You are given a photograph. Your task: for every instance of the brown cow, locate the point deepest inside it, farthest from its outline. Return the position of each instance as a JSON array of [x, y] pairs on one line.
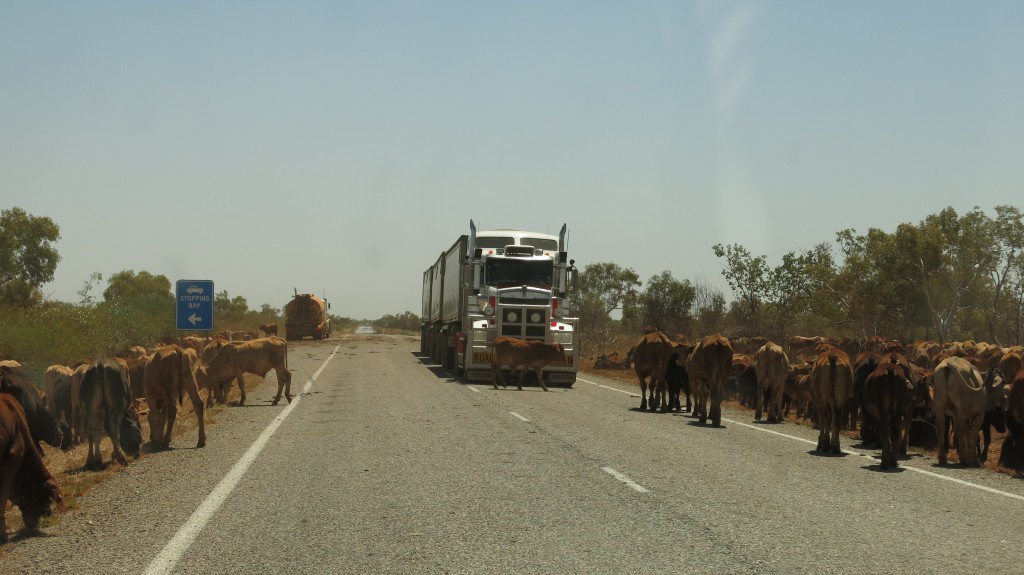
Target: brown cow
[[889, 397], [803, 349], [170, 373], [54, 375], [650, 356], [1012, 453], [106, 403], [524, 354], [234, 359], [708, 366], [963, 394], [24, 479], [269, 329], [772, 370], [832, 388]]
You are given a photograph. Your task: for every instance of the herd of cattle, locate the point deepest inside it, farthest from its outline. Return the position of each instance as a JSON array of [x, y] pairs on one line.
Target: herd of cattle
[[103, 397], [880, 386]]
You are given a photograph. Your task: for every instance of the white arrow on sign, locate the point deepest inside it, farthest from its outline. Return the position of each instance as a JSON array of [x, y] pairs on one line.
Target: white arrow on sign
[[192, 318]]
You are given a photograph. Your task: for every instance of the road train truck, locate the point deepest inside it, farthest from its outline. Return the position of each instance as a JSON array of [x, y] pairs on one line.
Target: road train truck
[[499, 282], [306, 316]]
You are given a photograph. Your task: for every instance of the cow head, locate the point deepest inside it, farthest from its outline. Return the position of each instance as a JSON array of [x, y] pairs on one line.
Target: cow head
[[131, 433], [36, 502]]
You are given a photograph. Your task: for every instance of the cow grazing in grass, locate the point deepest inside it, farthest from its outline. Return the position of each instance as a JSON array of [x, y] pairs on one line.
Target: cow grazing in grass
[[42, 423], [24, 479], [231, 360], [169, 375], [772, 370], [832, 387], [962, 393], [524, 354], [708, 366], [106, 403], [651, 357]]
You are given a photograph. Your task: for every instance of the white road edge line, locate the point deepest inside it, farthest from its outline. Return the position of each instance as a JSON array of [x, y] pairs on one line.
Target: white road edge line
[[520, 417], [846, 451], [633, 484], [473, 388], [186, 535]]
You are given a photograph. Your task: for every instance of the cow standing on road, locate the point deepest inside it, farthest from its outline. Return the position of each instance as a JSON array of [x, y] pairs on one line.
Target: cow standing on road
[[524, 354]]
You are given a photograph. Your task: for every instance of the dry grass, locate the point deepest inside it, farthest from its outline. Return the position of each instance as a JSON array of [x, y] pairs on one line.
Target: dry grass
[[68, 467]]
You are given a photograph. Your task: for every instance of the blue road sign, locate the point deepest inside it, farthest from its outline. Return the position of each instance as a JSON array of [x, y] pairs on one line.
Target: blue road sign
[[195, 305]]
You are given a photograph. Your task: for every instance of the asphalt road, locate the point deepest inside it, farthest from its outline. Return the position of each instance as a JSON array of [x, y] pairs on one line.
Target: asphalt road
[[386, 464]]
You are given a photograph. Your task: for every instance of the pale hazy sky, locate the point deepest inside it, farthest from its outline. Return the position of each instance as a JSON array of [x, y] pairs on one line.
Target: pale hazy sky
[[339, 147]]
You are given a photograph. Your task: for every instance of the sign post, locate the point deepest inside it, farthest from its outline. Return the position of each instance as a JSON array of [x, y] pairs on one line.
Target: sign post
[[195, 305]]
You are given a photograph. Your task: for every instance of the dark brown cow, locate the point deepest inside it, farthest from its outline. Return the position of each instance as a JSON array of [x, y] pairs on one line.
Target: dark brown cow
[[964, 394], [1012, 453], [234, 359], [24, 479], [106, 402], [651, 355], [832, 387], [889, 397], [42, 423], [269, 329], [772, 370], [709, 365], [524, 354], [169, 374]]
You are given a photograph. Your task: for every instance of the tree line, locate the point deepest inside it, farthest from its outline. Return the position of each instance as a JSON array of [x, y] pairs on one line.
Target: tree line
[[949, 277]]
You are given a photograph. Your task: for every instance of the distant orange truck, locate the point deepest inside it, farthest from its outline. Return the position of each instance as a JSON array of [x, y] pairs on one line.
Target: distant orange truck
[[306, 316]]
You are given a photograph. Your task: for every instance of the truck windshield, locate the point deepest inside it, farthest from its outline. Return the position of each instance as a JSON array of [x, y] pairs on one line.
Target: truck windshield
[[506, 272]]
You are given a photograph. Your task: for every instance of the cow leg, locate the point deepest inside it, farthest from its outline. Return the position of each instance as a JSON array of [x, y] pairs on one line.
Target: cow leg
[[942, 429], [761, 386], [241, 388], [156, 422], [497, 375], [283, 380], [114, 432], [10, 462], [837, 416], [540, 378], [170, 415], [643, 393], [716, 404], [197, 407]]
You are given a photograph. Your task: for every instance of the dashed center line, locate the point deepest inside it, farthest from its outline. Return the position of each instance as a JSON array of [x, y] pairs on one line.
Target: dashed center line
[[520, 417], [633, 484]]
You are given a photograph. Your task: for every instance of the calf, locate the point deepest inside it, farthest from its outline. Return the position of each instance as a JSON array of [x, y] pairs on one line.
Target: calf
[[269, 329], [24, 479], [106, 402], [678, 381], [524, 354]]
